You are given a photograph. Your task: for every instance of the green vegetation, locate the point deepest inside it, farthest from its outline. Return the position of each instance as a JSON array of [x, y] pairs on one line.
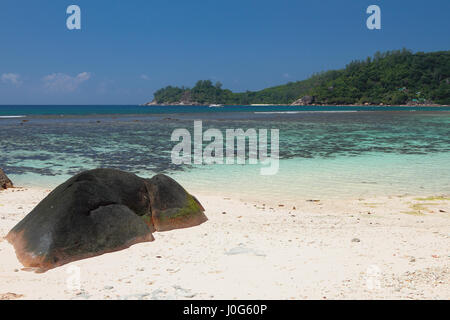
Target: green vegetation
[[433, 198], [394, 77], [190, 209], [419, 208]]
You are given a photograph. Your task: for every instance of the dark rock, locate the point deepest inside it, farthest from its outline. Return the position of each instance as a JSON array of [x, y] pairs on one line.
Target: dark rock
[[92, 213], [5, 183], [172, 207]]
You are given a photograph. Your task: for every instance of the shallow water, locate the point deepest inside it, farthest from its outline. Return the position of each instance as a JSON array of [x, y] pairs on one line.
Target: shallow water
[[323, 153]]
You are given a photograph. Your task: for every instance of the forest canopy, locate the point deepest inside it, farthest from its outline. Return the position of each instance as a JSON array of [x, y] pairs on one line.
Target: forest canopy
[[393, 78]]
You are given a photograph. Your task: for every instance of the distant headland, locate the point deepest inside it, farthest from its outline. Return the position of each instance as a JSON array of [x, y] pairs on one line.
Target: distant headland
[[398, 77]]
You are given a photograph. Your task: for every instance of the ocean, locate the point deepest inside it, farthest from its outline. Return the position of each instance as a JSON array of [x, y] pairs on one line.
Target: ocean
[[325, 152]]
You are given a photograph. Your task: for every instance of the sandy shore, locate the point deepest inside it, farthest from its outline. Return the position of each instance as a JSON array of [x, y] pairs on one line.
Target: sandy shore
[[381, 248]]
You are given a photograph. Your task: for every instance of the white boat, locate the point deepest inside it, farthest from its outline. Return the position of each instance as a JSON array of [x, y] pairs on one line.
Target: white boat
[[216, 105]]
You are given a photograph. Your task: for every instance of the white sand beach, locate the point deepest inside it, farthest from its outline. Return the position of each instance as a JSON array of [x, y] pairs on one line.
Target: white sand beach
[[380, 248]]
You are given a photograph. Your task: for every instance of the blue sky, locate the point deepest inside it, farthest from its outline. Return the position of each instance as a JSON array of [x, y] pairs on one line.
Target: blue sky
[[128, 49]]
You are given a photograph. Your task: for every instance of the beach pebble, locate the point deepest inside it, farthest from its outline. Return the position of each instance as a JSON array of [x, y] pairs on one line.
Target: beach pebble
[[356, 240], [108, 287]]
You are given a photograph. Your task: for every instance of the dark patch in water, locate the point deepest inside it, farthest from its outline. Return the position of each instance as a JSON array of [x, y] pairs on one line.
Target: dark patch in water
[[145, 145]]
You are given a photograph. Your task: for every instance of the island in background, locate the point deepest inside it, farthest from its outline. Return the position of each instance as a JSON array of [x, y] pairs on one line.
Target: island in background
[[398, 77]]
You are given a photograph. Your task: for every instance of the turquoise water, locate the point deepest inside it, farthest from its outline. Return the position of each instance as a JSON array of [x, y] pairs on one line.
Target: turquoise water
[[343, 152], [363, 176]]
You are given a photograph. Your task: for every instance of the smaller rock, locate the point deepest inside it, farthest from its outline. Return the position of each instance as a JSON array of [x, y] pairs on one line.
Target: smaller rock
[[356, 240], [5, 182]]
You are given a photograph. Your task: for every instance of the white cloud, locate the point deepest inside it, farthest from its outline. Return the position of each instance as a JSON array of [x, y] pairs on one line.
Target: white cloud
[[286, 75], [145, 77], [11, 78], [64, 83]]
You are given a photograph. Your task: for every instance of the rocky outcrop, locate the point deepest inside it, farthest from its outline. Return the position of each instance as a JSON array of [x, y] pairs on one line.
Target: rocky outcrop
[[152, 103], [5, 182], [304, 101], [100, 211]]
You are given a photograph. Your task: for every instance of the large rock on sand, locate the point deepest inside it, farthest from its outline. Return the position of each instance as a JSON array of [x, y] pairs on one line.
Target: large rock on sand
[[96, 212], [5, 183]]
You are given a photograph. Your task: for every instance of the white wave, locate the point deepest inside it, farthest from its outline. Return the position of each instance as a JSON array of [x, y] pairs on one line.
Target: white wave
[[11, 117], [293, 112]]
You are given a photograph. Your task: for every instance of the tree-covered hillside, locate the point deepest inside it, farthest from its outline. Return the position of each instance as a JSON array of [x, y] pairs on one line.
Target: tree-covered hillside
[[394, 77]]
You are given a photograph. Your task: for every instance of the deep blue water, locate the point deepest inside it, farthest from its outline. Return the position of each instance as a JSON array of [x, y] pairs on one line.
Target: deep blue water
[[18, 110]]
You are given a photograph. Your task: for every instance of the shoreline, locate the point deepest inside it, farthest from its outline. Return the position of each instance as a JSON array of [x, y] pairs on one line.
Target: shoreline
[[315, 249], [296, 105]]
